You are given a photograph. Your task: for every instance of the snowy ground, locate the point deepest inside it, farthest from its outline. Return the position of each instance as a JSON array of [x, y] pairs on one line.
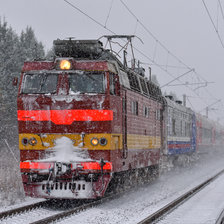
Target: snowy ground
[[203, 208], [134, 206], [11, 189]]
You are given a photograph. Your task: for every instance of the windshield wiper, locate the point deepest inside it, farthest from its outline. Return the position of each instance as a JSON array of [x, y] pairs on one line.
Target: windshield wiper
[[90, 76]]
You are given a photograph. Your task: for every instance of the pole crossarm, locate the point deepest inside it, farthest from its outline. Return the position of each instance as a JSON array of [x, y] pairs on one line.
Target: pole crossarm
[[217, 101], [198, 83]]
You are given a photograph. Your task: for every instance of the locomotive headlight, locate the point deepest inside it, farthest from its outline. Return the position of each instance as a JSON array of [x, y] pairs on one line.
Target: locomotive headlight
[[65, 64], [94, 141], [103, 141], [32, 141]]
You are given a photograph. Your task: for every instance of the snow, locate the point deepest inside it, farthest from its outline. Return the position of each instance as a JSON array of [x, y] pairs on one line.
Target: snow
[[67, 98], [203, 208], [65, 151]]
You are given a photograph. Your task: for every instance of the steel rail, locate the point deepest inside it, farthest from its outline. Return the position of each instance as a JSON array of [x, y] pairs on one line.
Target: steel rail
[[85, 206], [22, 209], [177, 202], [65, 214]]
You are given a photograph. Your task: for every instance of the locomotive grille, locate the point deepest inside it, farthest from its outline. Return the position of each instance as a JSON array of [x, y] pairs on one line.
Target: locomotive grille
[[64, 186]]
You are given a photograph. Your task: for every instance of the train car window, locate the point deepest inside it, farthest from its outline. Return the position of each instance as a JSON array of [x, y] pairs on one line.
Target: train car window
[[44, 83], [143, 85], [134, 107], [185, 129], [146, 111], [112, 84], [86, 82], [158, 115], [188, 130], [173, 127], [181, 128]]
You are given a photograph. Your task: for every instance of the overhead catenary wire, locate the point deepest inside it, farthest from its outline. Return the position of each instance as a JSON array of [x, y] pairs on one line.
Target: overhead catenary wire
[[177, 78], [162, 45], [213, 24], [97, 22], [108, 15], [153, 36], [221, 9], [140, 52]]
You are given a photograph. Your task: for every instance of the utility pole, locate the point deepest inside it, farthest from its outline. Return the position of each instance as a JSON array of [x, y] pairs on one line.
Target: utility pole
[[184, 99], [206, 112]]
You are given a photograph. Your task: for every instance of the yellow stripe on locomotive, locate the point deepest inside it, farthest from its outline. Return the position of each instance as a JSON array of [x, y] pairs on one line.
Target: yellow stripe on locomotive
[[93, 141]]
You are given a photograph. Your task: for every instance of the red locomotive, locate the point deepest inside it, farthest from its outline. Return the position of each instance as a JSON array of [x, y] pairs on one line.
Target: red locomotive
[[86, 121]]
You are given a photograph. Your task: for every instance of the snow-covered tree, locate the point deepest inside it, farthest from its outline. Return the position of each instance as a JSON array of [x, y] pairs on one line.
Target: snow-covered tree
[[50, 54], [9, 53], [30, 48], [14, 50]]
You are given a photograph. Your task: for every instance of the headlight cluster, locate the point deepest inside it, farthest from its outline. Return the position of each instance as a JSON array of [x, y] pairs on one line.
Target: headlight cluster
[[96, 141], [31, 141]]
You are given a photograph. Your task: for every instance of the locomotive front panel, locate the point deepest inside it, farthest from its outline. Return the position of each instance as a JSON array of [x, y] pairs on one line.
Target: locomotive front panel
[[67, 129]]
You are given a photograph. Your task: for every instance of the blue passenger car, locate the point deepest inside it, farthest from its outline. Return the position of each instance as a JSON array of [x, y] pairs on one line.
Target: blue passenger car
[[180, 128]]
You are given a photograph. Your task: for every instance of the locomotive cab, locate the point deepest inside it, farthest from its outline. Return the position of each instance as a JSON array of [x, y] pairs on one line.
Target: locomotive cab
[[85, 121]]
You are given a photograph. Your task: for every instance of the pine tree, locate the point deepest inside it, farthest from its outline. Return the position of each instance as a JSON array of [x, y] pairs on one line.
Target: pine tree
[[9, 53], [14, 50], [30, 48]]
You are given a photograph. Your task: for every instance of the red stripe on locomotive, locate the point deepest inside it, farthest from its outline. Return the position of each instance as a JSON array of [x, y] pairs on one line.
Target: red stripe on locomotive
[[65, 117]]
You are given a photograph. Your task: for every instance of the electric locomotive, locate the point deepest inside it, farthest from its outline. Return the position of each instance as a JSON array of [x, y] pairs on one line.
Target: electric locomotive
[[85, 121]]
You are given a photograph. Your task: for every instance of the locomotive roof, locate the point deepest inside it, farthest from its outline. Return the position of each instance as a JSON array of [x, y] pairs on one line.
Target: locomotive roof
[[83, 50], [173, 104], [88, 65]]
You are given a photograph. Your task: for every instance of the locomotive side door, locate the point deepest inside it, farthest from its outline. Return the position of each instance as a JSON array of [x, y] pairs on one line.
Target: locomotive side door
[[124, 125]]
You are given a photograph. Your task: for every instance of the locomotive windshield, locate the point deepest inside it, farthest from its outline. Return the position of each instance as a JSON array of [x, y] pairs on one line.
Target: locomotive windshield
[[86, 82], [40, 83]]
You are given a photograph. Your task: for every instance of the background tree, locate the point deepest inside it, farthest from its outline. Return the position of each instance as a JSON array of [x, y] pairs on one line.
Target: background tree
[[14, 50]]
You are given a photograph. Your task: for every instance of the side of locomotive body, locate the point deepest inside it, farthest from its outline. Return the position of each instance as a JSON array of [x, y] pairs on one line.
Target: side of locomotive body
[[85, 121], [180, 131]]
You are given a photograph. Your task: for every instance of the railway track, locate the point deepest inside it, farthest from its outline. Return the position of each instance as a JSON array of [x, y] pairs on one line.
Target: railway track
[[22, 209], [152, 218], [44, 209], [71, 211], [52, 216]]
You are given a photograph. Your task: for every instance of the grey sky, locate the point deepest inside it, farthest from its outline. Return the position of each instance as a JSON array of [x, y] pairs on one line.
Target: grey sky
[[182, 26]]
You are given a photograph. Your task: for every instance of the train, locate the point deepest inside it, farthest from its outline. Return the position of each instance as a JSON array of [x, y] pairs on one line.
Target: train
[[89, 124]]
